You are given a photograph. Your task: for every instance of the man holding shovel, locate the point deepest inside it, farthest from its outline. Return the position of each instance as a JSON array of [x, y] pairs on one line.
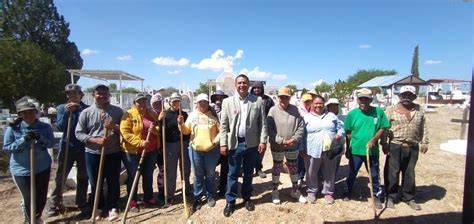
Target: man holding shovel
[[364, 126], [68, 115], [98, 128]]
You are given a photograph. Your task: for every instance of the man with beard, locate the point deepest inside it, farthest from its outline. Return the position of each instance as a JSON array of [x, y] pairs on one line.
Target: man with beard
[[258, 90], [407, 136]]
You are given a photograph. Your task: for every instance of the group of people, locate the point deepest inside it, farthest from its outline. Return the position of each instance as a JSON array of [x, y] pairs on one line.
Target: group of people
[[307, 140]]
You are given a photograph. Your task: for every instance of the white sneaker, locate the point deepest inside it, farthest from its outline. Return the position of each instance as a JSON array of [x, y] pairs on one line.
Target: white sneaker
[[301, 183], [113, 214], [296, 194], [275, 197], [98, 215]]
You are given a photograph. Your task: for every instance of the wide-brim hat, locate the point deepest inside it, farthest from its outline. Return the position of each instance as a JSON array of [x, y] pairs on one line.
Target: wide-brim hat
[[139, 96], [216, 94], [24, 106]]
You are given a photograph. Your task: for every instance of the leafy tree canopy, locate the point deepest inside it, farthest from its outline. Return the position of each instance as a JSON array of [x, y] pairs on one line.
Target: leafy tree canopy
[[25, 69], [203, 88]]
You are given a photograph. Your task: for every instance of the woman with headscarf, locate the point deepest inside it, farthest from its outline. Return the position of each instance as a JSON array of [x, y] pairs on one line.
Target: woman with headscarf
[[18, 138], [134, 128], [157, 106]]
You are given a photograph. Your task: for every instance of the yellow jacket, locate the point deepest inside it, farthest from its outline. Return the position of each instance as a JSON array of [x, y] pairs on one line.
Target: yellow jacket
[[204, 130], [131, 127]]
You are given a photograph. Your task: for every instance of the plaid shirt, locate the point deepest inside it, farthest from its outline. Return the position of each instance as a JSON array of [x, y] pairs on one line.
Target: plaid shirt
[[404, 130]]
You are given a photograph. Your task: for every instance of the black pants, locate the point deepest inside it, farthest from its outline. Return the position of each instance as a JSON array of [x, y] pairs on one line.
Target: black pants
[[23, 184], [223, 160], [401, 159]]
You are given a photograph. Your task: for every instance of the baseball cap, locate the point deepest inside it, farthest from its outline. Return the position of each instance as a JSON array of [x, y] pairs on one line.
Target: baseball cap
[[364, 92], [175, 97], [72, 87], [284, 91], [101, 86], [305, 97], [408, 88], [202, 97], [332, 101]]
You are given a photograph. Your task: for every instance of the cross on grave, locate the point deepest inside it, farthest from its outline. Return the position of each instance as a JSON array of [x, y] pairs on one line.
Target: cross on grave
[[464, 123]]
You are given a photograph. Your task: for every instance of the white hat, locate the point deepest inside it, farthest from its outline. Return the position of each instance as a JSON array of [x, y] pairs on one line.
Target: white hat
[[332, 101], [408, 88], [202, 97]]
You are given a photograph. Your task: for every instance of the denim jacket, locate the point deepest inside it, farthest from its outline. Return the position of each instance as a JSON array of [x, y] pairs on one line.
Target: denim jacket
[[63, 117], [14, 142]]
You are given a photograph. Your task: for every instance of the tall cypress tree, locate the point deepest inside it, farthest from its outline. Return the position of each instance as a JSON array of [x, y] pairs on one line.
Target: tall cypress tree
[[414, 63]]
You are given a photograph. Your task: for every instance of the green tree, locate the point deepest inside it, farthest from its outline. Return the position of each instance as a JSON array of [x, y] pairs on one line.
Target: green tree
[[362, 76], [113, 87], [130, 90], [40, 23], [25, 69], [293, 88], [203, 88], [323, 88], [341, 91], [414, 63]]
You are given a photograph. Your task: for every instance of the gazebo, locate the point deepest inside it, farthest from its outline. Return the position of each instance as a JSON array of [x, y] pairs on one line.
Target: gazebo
[[391, 81], [107, 75]]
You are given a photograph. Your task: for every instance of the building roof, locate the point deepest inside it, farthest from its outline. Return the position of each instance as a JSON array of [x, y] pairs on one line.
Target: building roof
[[105, 74], [389, 80], [447, 81]]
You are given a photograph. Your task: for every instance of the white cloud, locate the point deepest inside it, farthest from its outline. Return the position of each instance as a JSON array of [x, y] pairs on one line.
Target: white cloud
[[170, 61], [175, 72], [364, 46], [255, 73], [433, 62], [218, 61], [279, 77], [88, 51], [317, 83], [124, 57]]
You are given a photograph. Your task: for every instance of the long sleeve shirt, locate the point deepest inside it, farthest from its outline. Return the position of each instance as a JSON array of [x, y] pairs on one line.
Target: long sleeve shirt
[[15, 143], [318, 128], [411, 130], [91, 125], [204, 130], [284, 125], [171, 126], [62, 122]]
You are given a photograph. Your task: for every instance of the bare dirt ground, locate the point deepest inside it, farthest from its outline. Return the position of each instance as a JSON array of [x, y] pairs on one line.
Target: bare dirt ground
[[440, 179]]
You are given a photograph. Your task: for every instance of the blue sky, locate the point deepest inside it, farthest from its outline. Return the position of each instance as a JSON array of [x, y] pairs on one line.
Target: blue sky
[[181, 43]]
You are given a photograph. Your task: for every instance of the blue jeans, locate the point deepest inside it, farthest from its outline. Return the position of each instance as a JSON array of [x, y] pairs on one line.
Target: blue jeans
[[146, 172], [111, 174], [355, 162], [204, 166], [237, 157]]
